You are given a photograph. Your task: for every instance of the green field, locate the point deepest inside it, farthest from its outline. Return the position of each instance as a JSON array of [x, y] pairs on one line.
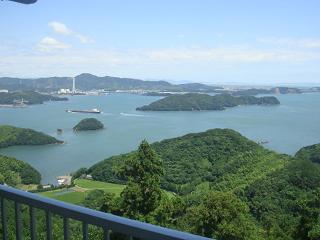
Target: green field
[[77, 194], [66, 195], [88, 185]]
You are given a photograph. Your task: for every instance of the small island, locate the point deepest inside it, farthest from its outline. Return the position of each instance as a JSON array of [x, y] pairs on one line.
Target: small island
[[88, 124], [200, 102], [14, 136]]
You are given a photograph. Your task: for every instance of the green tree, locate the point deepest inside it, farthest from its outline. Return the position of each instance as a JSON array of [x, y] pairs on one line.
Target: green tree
[[100, 200], [2, 179], [12, 178], [142, 193], [224, 216]]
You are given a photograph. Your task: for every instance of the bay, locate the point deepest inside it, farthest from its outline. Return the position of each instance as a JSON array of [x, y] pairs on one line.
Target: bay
[[287, 127]]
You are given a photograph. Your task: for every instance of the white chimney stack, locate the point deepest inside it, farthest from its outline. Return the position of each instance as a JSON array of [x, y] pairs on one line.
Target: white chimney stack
[[73, 85]]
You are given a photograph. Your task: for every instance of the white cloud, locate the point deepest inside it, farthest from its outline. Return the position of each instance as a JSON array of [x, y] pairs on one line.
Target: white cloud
[[292, 42], [155, 63], [49, 44], [60, 28], [231, 54], [84, 39]]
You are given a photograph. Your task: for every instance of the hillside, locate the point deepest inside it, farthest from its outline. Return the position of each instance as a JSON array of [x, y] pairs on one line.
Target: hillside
[[14, 172], [224, 179], [88, 81], [286, 202], [311, 153], [198, 102], [14, 136], [222, 157], [88, 124], [29, 97]]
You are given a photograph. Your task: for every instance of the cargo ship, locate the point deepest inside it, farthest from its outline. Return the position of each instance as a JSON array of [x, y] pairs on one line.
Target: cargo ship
[[94, 110]]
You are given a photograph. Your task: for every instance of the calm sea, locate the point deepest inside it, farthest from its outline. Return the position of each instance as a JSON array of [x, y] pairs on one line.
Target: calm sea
[[293, 124]]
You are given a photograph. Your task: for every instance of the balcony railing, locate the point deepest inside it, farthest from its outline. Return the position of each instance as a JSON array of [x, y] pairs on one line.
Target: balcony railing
[[108, 222]]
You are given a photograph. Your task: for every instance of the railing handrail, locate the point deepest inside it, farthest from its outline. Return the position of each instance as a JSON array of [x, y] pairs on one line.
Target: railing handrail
[[105, 220]]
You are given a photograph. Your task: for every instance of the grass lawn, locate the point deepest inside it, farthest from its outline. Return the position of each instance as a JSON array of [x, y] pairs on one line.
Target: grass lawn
[[65, 195], [88, 185], [77, 194]]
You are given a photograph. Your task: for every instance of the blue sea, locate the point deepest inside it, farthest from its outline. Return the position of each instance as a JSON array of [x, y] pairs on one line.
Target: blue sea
[[288, 127]]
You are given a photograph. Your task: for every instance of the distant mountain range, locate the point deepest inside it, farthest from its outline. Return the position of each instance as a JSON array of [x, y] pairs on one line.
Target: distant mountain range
[[88, 81]]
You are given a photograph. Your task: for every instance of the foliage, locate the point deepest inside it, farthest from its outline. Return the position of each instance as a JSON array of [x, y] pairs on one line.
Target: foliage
[[287, 201], [12, 136], [258, 194], [79, 173], [142, 193], [198, 102], [311, 153], [13, 172], [88, 124], [222, 215], [220, 156], [29, 97]]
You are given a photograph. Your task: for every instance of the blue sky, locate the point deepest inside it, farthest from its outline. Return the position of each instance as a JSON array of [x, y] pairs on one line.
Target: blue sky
[[250, 42]]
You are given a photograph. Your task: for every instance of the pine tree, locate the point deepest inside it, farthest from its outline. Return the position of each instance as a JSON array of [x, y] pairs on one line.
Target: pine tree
[[142, 194]]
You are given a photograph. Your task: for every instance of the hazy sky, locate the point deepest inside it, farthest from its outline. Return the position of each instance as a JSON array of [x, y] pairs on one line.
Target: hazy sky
[[258, 42]]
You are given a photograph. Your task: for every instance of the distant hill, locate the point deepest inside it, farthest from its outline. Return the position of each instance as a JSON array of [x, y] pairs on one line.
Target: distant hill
[[198, 102], [311, 153], [29, 97], [14, 136], [256, 91], [88, 81]]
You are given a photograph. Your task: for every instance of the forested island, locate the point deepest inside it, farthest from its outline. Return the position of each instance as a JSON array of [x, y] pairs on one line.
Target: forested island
[[228, 187], [27, 97], [14, 136], [14, 172], [88, 124], [199, 102]]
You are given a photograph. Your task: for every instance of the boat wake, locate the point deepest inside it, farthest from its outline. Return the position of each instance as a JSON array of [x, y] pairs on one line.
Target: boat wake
[[132, 115]]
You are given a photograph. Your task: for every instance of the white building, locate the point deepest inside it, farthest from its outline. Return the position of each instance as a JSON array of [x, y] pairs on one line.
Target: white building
[[4, 91], [64, 91]]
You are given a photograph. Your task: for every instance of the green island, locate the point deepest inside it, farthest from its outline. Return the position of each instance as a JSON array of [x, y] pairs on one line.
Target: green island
[[27, 97], [14, 172], [199, 102], [88, 124], [14, 136]]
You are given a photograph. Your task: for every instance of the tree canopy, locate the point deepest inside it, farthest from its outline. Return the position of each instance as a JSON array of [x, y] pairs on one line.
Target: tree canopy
[[88, 124], [14, 136]]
